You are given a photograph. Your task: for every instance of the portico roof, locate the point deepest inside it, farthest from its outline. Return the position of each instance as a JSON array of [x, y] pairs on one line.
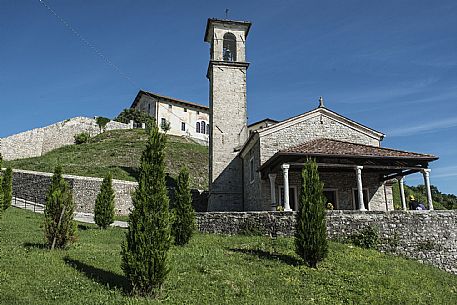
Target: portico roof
[[341, 155]]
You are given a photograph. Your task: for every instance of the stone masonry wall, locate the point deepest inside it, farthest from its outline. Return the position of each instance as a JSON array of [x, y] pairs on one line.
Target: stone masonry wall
[[428, 236], [36, 142], [33, 186], [315, 127]]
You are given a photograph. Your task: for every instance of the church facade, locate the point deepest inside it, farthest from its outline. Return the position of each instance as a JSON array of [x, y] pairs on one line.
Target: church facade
[[257, 167]]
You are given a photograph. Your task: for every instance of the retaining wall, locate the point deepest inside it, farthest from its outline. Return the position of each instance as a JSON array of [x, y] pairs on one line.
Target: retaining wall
[[428, 236], [33, 186], [38, 141]]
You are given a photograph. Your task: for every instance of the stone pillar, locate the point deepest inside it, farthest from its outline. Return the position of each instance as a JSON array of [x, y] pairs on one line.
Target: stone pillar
[[401, 181], [358, 171], [273, 191], [285, 172], [131, 124], [426, 174], [143, 125]]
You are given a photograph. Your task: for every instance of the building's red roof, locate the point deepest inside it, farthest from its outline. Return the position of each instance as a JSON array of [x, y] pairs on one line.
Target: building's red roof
[[330, 147]]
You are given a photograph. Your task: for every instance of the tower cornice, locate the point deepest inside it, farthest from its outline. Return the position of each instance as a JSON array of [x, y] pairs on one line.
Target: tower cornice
[[227, 64]]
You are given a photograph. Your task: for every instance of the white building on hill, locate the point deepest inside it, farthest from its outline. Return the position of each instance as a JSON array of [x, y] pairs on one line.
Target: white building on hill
[[184, 118]]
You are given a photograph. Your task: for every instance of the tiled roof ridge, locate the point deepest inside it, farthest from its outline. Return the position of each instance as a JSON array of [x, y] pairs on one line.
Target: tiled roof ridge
[[309, 143]]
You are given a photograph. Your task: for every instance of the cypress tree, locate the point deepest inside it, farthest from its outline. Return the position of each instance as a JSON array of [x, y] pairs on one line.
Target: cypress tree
[[310, 227], [184, 220], [59, 197], [7, 187], [104, 204], [1, 184], [144, 252]]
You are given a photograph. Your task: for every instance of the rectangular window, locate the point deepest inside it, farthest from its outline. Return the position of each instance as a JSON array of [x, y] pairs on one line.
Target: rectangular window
[[355, 197], [198, 112], [251, 170], [170, 106], [185, 109], [183, 126]]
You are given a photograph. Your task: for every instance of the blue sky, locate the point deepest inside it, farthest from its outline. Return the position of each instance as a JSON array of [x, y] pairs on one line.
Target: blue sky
[[391, 65]]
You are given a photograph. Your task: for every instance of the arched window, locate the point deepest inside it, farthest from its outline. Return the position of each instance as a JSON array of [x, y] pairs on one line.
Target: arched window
[[202, 127], [197, 127], [207, 128], [229, 47]]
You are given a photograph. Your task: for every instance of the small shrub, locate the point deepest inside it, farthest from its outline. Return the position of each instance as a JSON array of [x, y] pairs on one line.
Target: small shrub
[[101, 122], [184, 214], [367, 238], [7, 188], [60, 229], [104, 204], [82, 138], [310, 227]]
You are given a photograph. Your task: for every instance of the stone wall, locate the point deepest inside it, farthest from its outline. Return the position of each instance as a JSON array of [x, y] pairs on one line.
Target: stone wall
[[315, 127], [36, 142], [428, 236], [33, 186]]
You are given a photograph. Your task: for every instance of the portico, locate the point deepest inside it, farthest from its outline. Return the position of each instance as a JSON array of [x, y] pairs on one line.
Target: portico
[[356, 176]]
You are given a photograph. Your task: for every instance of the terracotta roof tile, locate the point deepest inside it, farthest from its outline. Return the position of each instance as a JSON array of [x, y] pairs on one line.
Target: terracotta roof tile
[[341, 148]]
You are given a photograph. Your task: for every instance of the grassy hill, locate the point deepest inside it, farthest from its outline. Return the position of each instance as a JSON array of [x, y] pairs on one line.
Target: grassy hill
[[212, 269], [119, 152]]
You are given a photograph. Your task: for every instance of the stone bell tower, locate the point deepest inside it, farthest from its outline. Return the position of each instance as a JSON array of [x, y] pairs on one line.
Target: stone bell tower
[[228, 116]]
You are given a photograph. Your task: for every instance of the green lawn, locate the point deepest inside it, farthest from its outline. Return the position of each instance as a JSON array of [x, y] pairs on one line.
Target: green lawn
[[211, 270], [119, 152]]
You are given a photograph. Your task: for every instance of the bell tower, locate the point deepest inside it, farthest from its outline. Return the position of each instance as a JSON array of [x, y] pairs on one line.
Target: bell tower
[[228, 114]]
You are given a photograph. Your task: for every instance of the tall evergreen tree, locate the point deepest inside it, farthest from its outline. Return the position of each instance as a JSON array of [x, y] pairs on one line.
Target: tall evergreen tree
[[144, 252], [104, 204], [310, 227], [184, 220], [1, 183], [60, 228], [7, 187]]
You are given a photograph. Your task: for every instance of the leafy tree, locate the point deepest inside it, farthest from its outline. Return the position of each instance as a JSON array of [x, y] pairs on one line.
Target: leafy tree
[[82, 138], [184, 220], [144, 252], [104, 204], [130, 114], [310, 228], [7, 188], [101, 122], [60, 228]]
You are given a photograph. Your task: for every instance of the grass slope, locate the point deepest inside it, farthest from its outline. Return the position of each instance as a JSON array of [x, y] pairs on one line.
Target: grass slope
[[119, 151], [212, 269]]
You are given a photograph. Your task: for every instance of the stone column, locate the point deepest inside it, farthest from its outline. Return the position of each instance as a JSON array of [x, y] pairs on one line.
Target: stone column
[[273, 191], [401, 181], [285, 172], [426, 174], [358, 171]]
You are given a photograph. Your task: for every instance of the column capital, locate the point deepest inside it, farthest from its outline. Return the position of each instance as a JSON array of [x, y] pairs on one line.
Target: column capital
[[272, 176], [426, 171], [358, 167], [285, 166], [400, 179]]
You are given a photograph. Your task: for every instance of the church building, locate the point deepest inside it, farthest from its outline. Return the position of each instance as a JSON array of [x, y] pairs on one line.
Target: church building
[[257, 167]]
